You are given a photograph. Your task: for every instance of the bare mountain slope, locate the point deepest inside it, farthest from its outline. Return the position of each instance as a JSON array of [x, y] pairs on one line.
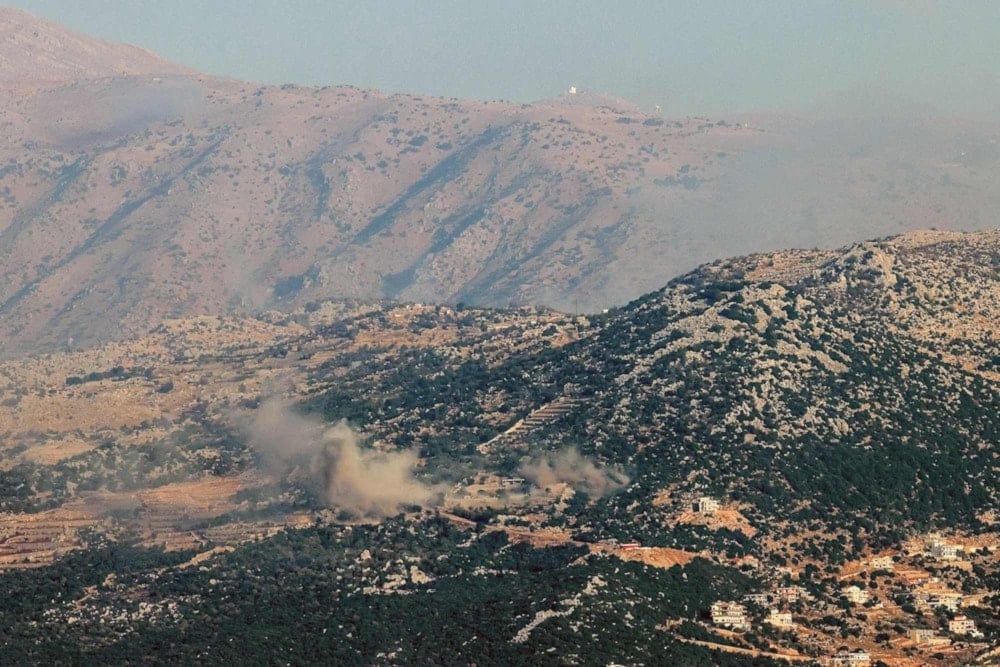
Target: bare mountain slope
[[136, 198], [127, 199], [38, 50]]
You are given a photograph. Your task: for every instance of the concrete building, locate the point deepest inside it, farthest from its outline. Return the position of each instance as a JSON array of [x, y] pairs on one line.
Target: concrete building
[[961, 625], [706, 505], [882, 563], [925, 636], [790, 593], [855, 595], [851, 659], [943, 551], [780, 619], [730, 615], [934, 599], [757, 598]]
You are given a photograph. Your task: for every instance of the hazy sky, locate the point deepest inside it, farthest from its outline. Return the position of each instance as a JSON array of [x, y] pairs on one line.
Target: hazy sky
[[694, 57]]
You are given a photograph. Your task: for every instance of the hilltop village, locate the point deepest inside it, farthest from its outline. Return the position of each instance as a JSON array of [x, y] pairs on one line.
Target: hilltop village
[[905, 604]]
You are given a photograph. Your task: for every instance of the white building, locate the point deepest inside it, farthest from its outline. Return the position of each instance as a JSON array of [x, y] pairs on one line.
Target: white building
[[780, 619], [943, 551], [706, 505], [882, 563], [731, 615], [934, 599], [790, 593], [851, 659], [757, 598], [961, 625], [855, 595]]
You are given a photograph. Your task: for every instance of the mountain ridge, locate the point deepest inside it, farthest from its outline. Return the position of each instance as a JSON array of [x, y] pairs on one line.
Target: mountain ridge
[[128, 199], [33, 49], [832, 406]]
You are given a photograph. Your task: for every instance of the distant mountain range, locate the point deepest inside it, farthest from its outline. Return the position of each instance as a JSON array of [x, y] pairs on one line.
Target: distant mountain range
[[132, 189]]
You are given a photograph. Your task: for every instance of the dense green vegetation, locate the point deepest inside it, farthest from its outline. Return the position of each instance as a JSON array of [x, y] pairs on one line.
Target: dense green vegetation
[[865, 427], [320, 595]]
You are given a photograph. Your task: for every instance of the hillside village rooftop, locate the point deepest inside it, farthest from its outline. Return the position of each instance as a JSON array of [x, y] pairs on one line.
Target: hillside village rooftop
[[731, 615], [781, 619], [706, 505], [851, 659], [961, 625], [855, 595]]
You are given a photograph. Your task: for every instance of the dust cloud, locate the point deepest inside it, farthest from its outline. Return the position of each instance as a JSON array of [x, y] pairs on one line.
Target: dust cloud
[[570, 467], [335, 465], [92, 112]]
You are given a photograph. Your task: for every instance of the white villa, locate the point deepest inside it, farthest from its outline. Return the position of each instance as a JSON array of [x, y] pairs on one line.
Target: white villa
[[731, 615]]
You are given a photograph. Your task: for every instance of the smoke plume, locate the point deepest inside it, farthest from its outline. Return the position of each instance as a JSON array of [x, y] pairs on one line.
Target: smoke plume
[[92, 112], [332, 460], [570, 467]]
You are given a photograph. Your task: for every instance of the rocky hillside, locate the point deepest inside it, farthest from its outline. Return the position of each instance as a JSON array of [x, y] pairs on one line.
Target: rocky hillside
[[521, 483], [34, 50], [858, 387], [855, 385], [131, 191]]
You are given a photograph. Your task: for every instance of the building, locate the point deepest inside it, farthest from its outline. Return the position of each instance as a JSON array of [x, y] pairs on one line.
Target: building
[[922, 635], [706, 505], [934, 599], [855, 595], [851, 659], [914, 577], [961, 625], [730, 615], [790, 593], [780, 619], [943, 551], [757, 598], [882, 563]]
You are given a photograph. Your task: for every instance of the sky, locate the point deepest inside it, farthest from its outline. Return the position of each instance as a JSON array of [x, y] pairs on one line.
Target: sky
[[700, 57]]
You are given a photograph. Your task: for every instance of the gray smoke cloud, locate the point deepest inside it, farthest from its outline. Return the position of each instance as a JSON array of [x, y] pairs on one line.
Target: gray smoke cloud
[[336, 465], [87, 113], [570, 467]]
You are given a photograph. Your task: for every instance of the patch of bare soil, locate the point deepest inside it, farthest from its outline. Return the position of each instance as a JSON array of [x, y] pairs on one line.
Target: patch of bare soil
[[723, 518], [662, 557]]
